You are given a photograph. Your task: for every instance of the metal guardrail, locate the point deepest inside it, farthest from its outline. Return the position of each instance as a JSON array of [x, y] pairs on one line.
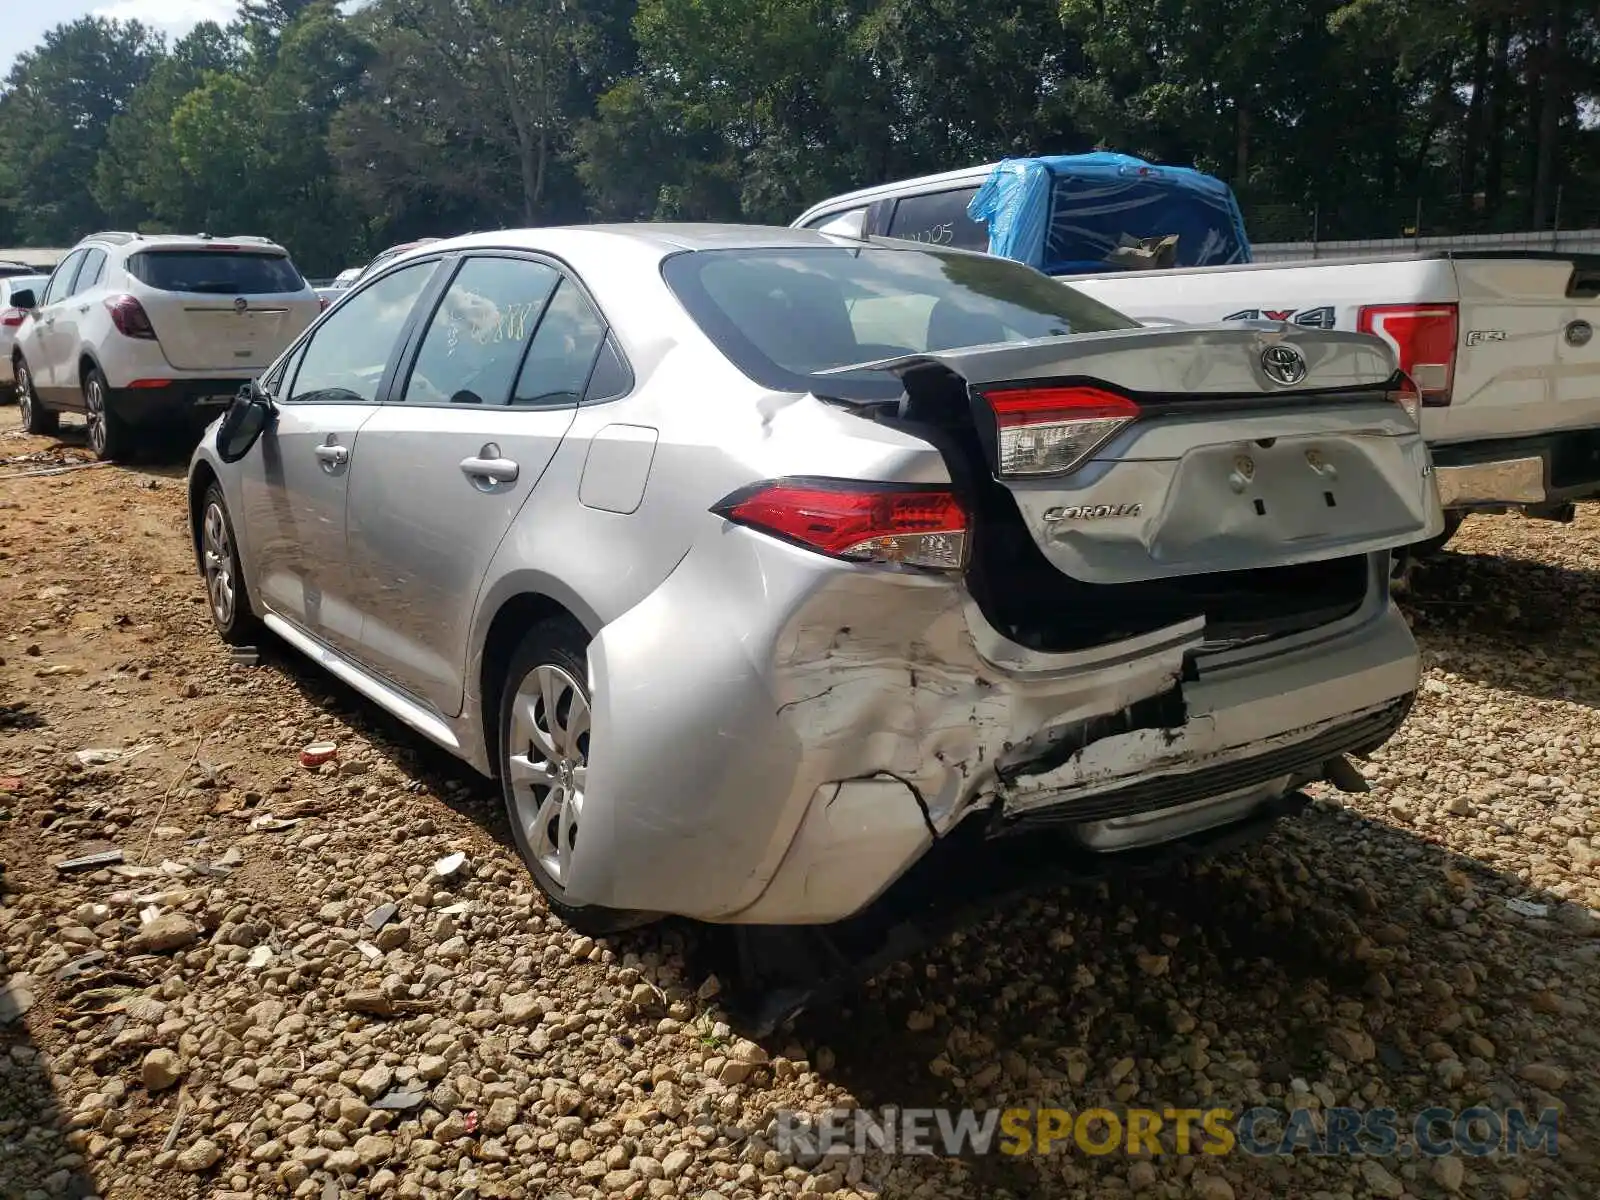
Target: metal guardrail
[[1576, 241]]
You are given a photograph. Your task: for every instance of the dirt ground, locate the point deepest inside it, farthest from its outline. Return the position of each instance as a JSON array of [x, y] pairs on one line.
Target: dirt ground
[[260, 1031]]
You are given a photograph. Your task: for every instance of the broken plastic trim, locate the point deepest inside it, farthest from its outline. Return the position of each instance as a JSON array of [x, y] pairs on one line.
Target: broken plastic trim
[[1164, 710]]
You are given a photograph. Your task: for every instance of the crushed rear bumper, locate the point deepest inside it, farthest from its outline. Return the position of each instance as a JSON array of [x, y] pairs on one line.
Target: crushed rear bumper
[[778, 738]]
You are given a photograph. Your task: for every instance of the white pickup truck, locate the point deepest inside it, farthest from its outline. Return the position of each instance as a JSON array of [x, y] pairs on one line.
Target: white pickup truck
[[1501, 346]]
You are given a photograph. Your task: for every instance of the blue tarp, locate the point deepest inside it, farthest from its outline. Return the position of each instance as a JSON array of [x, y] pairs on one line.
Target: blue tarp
[[1066, 213]]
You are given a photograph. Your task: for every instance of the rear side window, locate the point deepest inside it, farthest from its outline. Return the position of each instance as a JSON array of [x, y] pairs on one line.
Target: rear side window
[[474, 342], [939, 219], [786, 316], [563, 350], [94, 266], [61, 279], [216, 272]]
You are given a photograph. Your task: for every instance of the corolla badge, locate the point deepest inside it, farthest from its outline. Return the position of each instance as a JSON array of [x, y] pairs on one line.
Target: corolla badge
[[1091, 512], [1284, 364]]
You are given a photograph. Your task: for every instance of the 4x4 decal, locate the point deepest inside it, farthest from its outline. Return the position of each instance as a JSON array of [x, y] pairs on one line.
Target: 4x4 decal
[[1312, 318]]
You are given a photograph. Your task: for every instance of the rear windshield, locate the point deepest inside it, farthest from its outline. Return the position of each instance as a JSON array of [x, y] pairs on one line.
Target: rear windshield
[[783, 316], [224, 272]]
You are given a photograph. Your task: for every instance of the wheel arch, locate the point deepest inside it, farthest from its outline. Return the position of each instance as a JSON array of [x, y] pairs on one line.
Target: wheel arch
[[201, 476], [88, 362], [513, 616]]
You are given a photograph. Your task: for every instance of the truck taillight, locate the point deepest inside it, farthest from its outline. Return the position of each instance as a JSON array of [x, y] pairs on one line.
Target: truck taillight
[[910, 525], [1403, 391], [12, 318], [128, 315], [1424, 340], [1051, 430]]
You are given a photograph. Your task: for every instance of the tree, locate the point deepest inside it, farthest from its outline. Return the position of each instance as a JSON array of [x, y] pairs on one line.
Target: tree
[[135, 181], [470, 103], [59, 103]]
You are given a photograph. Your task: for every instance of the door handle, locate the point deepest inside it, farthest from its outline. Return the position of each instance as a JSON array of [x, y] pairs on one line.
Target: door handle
[[333, 456], [495, 470]]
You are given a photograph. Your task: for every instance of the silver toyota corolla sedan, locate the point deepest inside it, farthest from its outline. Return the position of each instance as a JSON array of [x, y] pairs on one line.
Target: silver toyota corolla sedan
[[754, 562]]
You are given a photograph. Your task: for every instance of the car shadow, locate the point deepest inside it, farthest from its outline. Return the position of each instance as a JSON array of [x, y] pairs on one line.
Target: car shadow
[[1509, 623], [1233, 964]]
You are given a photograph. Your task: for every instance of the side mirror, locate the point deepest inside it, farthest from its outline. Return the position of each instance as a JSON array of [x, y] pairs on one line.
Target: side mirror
[[24, 299], [245, 421]]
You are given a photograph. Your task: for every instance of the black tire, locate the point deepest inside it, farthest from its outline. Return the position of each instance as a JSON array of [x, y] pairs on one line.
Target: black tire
[[556, 646], [218, 554], [1427, 549], [110, 437], [36, 418]]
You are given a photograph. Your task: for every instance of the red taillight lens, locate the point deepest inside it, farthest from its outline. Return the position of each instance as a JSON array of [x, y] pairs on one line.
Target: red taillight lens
[[1051, 430], [911, 526], [1424, 340], [128, 315], [13, 317]]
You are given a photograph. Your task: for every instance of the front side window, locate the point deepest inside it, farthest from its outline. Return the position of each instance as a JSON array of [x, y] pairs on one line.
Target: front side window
[[61, 280], [345, 359], [786, 316], [851, 223], [474, 343]]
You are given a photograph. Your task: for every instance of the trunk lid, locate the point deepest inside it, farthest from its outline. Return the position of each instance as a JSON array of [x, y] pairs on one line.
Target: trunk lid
[[222, 308], [1211, 464], [1524, 362]]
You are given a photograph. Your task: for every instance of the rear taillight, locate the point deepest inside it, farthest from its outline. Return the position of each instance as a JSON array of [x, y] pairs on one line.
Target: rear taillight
[[904, 524], [1051, 430], [1424, 340], [128, 315], [1404, 392], [13, 317]]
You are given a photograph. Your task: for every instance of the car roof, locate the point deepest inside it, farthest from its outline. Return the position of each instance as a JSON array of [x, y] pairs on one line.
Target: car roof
[[655, 238], [120, 238], [882, 191]]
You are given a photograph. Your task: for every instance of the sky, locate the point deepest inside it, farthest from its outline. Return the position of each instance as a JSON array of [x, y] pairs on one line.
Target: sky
[[23, 22]]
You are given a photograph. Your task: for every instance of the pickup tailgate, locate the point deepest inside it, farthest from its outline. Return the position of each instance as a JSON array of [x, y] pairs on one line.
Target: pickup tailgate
[[1152, 453], [1527, 358]]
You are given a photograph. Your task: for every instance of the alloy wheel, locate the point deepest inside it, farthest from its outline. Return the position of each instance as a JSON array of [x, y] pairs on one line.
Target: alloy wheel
[[548, 765], [94, 404], [217, 553], [24, 395]]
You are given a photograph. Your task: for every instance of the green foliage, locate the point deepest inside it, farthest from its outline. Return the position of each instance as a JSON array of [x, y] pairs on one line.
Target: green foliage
[[59, 102], [340, 129]]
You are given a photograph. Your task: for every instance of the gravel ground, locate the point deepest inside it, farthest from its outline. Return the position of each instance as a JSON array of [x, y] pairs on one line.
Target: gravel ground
[[258, 1036]]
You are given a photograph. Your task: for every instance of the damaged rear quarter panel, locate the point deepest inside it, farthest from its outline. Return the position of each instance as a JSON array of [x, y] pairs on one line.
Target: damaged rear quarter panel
[[899, 686]]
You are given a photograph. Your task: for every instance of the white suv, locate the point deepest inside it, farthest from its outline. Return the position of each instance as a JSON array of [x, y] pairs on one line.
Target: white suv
[[142, 330]]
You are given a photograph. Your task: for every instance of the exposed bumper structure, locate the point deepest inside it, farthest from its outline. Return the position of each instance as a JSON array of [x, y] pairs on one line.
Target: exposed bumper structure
[[777, 738], [1548, 469]]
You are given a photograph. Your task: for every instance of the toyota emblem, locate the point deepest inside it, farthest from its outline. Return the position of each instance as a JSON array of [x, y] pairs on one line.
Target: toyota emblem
[[1284, 364], [240, 304], [1578, 333]]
